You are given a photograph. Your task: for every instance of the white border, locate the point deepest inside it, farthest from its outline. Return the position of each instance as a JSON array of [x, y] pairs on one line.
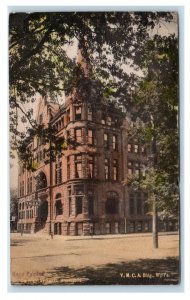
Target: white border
[[185, 110]]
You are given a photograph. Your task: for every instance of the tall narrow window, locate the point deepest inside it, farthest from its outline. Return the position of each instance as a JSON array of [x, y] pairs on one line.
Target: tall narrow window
[[90, 137], [78, 166], [90, 203], [28, 185], [137, 169], [139, 204], [114, 142], [89, 114], [130, 168], [106, 141], [131, 204], [79, 200], [129, 148], [78, 135], [78, 113], [58, 205], [136, 148], [106, 168], [58, 172], [70, 200], [30, 188], [68, 168], [103, 119], [68, 117], [115, 169], [108, 121], [90, 166]]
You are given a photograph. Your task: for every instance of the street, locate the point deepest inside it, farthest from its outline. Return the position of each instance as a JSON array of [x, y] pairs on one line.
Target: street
[[98, 260]]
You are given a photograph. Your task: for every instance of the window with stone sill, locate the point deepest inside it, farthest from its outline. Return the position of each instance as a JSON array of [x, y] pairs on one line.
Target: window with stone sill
[[78, 135], [114, 142], [78, 166], [106, 140], [58, 205], [129, 148], [106, 169], [90, 137], [90, 114], [78, 113], [90, 162], [136, 148], [115, 170]]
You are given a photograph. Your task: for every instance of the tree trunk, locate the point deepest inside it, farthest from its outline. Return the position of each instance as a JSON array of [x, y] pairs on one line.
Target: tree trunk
[[154, 223]]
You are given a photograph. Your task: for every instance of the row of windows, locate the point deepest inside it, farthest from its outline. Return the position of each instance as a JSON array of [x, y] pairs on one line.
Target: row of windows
[[106, 120], [135, 148], [138, 204], [135, 168], [84, 166], [67, 117]]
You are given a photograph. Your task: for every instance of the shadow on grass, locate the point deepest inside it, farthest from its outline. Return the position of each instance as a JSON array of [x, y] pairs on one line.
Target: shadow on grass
[[140, 272]]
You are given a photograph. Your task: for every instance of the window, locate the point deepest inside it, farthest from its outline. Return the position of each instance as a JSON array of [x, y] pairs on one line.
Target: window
[[90, 203], [70, 200], [78, 166], [79, 200], [115, 169], [112, 203], [137, 169], [22, 189], [58, 205], [131, 204], [106, 141], [78, 113], [143, 170], [142, 149], [78, 135], [68, 118], [90, 166], [136, 148], [130, 168], [108, 121], [28, 185], [90, 137], [58, 172], [114, 142], [103, 119], [129, 148], [139, 204], [41, 181], [107, 228], [132, 227], [106, 168], [89, 114], [116, 227], [139, 226], [68, 168]]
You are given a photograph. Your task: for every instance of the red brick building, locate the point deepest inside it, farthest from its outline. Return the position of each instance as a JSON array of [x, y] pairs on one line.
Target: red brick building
[[82, 192]]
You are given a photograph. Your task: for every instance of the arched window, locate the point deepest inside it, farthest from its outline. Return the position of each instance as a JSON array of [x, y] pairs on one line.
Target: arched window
[[41, 181], [58, 205], [112, 203]]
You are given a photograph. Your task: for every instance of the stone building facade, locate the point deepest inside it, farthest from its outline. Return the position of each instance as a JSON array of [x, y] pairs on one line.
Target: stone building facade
[[82, 191]]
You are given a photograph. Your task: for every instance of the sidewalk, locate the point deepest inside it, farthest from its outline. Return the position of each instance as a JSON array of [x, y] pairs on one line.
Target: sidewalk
[[87, 237]]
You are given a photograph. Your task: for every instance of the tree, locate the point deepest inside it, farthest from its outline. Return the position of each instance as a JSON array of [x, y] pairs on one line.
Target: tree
[[39, 62], [115, 47], [156, 124]]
